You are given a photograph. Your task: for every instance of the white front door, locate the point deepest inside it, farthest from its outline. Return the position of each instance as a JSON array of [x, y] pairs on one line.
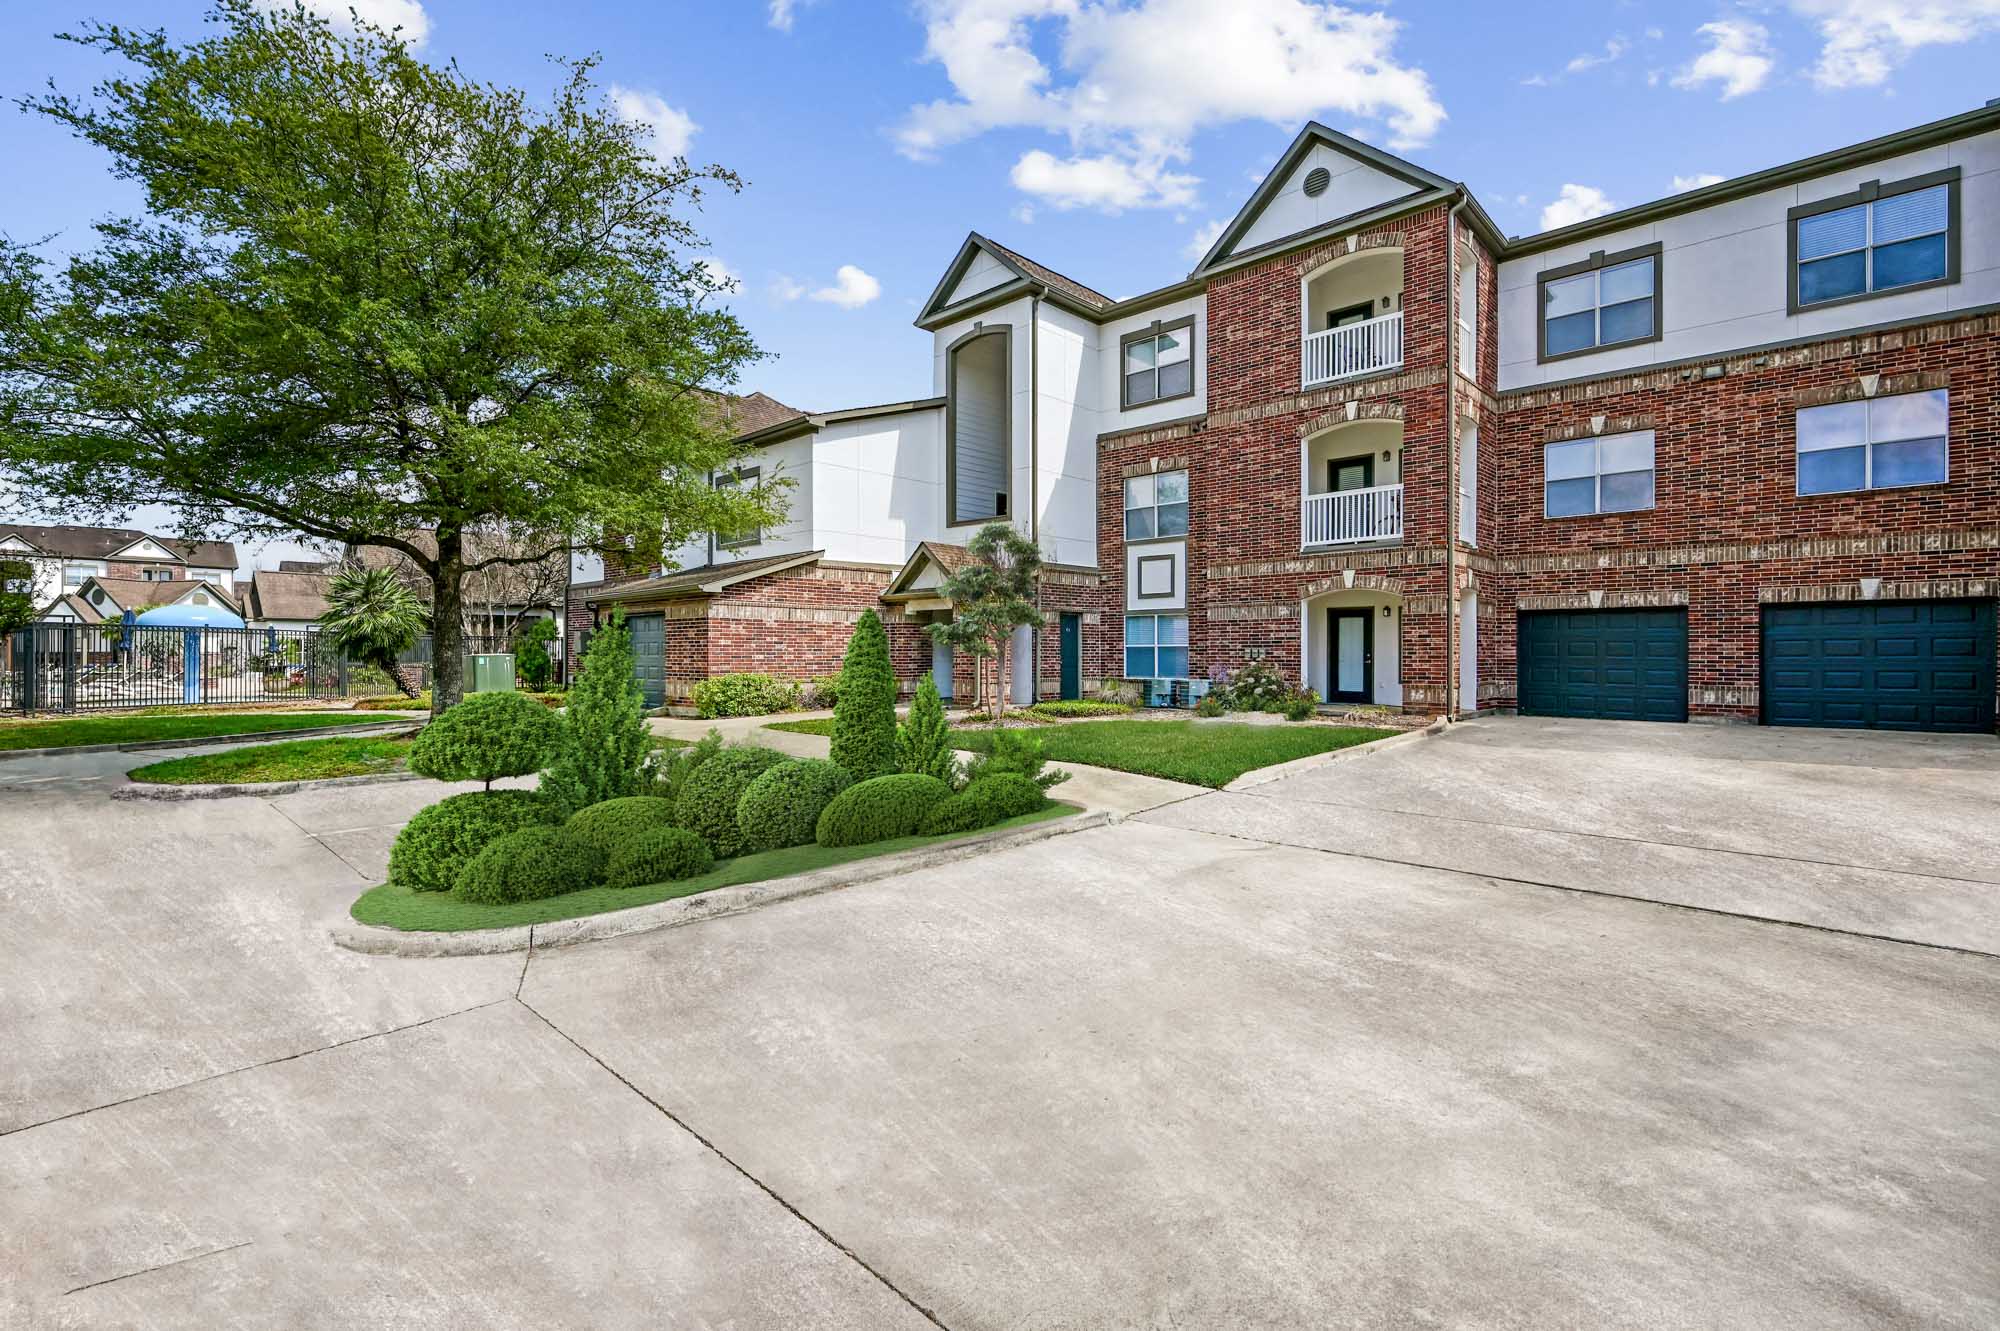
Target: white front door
[[941, 668]]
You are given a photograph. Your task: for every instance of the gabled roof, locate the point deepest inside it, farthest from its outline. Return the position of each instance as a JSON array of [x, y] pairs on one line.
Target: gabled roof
[[140, 594], [105, 542], [1027, 276], [1314, 134], [283, 595], [749, 413], [77, 606], [703, 581], [949, 559]]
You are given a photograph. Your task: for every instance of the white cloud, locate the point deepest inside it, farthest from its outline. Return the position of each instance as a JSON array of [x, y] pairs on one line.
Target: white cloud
[[1682, 184], [1105, 182], [1614, 48], [851, 288], [1204, 239], [672, 130], [721, 274], [782, 13], [388, 15], [786, 288], [1025, 214], [1738, 57], [1864, 40], [1135, 80], [1576, 203]]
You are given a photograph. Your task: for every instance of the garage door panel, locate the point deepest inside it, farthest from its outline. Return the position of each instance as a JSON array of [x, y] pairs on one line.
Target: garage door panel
[[1621, 665], [1918, 665]]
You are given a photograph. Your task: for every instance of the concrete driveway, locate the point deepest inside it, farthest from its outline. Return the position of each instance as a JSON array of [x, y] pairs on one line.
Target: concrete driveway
[[1187, 1071]]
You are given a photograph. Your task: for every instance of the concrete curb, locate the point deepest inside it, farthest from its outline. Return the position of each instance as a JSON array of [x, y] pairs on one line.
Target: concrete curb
[[202, 741], [140, 790], [1265, 775], [381, 942]]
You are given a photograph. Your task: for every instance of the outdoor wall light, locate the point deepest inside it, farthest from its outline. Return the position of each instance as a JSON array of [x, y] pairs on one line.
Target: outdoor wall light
[[1387, 612]]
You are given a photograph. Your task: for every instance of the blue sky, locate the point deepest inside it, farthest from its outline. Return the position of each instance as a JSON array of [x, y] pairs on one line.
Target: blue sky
[[1102, 136]]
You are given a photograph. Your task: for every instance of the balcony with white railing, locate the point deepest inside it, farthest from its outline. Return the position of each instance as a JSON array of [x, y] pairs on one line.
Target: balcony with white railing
[[1352, 517], [1351, 350]]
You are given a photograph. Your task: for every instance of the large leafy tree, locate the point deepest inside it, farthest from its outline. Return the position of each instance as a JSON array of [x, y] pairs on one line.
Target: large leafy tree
[[371, 297], [991, 596]]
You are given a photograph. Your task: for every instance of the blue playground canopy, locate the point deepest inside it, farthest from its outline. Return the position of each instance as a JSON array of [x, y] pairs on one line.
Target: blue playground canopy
[[190, 616]]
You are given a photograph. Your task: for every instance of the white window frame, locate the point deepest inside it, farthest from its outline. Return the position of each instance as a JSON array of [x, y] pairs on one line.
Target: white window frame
[[1468, 319], [76, 572], [1125, 643], [741, 478], [1598, 473], [1868, 444]]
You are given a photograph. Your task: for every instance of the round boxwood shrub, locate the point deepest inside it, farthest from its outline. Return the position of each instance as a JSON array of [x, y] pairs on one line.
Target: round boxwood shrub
[[435, 845], [782, 806], [989, 800], [528, 865], [881, 808], [663, 855], [707, 802], [485, 737], [611, 824]]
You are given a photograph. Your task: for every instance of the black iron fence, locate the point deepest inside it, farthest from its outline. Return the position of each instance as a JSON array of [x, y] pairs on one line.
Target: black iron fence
[[55, 667]]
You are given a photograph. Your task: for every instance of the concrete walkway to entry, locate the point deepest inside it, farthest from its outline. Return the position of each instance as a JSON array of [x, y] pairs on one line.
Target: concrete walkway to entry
[[1095, 788]]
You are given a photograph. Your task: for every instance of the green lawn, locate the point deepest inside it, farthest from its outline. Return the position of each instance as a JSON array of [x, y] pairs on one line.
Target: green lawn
[[819, 725], [1210, 754], [295, 760], [186, 725], [400, 908]]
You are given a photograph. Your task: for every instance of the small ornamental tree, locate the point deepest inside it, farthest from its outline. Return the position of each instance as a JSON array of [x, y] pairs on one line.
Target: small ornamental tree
[[531, 652], [485, 737], [373, 618], [864, 717], [991, 597], [17, 602], [604, 743], [923, 743]]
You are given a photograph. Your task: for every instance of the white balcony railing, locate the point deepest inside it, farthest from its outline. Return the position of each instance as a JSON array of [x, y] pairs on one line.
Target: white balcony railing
[[1368, 347], [1349, 517]]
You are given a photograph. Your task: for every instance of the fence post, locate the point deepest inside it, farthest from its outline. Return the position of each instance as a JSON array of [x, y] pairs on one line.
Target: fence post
[[69, 667]]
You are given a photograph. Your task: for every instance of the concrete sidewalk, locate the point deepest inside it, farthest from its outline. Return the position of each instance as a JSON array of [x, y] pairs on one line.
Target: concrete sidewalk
[[1097, 789]]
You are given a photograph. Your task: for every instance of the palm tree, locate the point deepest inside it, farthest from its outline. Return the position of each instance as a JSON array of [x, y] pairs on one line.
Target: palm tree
[[374, 618]]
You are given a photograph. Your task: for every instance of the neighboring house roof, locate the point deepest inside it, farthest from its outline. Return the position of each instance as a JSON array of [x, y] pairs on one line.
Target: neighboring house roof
[[307, 565], [76, 605], [282, 595], [104, 542], [703, 581], [750, 413], [139, 594]]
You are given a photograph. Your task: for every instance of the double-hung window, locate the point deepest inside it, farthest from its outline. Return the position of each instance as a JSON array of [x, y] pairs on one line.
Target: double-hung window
[[743, 479], [1156, 505], [1879, 444], [1612, 473], [1159, 363], [1607, 300], [1156, 647], [1879, 239]]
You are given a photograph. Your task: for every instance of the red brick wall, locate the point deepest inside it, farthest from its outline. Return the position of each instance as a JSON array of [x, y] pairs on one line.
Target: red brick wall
[[1728, 531]]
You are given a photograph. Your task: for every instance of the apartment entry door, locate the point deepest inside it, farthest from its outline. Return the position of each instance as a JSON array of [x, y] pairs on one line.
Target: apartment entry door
[[1350, 652]]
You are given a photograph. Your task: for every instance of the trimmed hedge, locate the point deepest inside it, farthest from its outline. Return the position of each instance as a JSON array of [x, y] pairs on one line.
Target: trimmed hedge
[[435, 845], [881, 808], [745, 694], [782, 806], [663, 855], [528, 865], [606, 826], [485, 737], [708, 798], [984, 802]]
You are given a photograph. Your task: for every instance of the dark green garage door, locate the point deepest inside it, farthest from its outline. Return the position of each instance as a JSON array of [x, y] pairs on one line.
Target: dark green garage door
[[1619, 665], [1901, 665], [649, 656]]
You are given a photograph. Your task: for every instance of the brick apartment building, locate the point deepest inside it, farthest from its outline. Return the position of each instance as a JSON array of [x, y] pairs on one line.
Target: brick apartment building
[[1731, 456]]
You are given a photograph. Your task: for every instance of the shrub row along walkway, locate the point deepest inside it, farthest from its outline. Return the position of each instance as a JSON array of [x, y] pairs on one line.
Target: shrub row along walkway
[[1094, 788]]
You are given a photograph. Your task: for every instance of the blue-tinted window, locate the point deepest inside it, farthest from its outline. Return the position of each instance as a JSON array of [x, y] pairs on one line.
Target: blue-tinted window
[[1156, 647], [1610, 474], [1600, 308], [1899, 241], [1880, 444]]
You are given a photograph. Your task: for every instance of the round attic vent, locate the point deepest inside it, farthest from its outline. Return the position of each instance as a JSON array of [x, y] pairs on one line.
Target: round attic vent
[[1317, 180]]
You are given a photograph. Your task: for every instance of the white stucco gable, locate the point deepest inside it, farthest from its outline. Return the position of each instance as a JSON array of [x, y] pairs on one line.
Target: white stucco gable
[[1357, 179], [146, 548], [985, 272]]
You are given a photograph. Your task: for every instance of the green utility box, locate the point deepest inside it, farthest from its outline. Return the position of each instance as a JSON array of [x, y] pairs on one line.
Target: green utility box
[[489, 672]]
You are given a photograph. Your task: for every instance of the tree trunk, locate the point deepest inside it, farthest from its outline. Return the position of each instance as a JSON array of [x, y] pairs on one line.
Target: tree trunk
[[447, 625], [1000, 659]]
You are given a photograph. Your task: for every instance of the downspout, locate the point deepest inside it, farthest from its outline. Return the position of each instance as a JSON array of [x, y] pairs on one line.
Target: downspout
[[1035, 473], [1451, 457]]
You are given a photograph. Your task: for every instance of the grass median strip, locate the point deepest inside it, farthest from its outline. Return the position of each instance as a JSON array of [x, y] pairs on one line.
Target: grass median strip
[[399, 908], [294, 760], [73, 731], [1206, 754]]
